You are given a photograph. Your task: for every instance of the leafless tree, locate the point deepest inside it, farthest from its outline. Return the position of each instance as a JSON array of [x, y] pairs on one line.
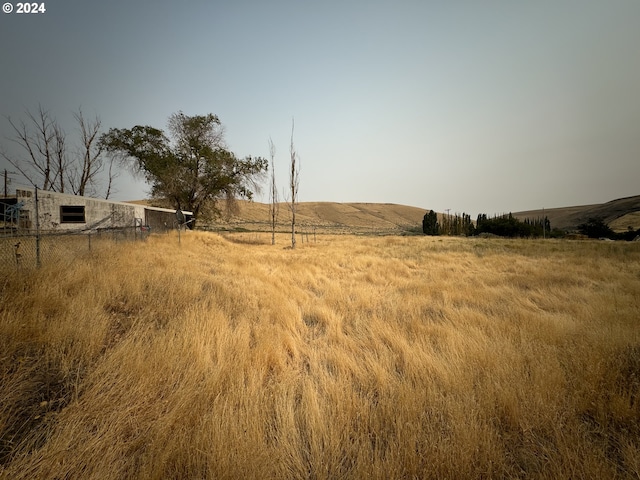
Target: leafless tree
[[274, 207], [294, 182], [84, 173], [41, 141], [43, 155]]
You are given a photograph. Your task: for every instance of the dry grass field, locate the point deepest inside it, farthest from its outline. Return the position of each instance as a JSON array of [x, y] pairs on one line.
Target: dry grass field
[[352, 357], [623, 223]]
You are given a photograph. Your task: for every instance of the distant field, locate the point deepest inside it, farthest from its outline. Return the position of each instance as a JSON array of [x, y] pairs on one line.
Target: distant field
[[349, 357], [327, 217], [623, 223]]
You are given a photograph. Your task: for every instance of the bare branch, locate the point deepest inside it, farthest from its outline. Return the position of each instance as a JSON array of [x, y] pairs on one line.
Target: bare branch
[[110, 178], [86, 171], [40, 138], [43, 156], [59, 157]]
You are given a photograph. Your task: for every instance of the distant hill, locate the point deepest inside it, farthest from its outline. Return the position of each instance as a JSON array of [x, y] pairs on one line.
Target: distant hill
[[335, 217], [328, 217], [619, 214]]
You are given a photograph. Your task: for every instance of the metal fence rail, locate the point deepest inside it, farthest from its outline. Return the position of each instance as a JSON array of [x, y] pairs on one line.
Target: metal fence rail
[[28, 249]]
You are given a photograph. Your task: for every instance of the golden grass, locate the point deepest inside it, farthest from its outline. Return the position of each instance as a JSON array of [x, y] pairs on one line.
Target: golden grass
[[392, 357], [623, 223]]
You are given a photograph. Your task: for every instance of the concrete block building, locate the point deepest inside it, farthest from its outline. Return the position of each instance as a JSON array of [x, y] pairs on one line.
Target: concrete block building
[[64, 212]]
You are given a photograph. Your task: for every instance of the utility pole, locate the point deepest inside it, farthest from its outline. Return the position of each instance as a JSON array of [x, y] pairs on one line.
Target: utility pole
[[7, 180], [544, 226]]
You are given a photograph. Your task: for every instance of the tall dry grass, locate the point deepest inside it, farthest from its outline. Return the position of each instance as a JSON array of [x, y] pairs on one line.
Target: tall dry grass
[[347, 358]]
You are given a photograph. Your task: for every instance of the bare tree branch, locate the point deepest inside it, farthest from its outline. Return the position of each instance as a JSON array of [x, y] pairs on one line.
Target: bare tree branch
[[38, 140], [85, 172], [45, 162], [110, 178], [59, 156]]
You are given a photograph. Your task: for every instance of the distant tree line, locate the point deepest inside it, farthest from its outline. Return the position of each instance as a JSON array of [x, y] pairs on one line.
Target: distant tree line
[[457, 225], [596, 228], [508, 226], [501, 225]]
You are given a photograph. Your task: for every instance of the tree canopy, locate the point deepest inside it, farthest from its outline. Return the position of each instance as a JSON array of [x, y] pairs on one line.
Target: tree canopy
[[596, 228], [190, 166], [510, 226], [430, 224]]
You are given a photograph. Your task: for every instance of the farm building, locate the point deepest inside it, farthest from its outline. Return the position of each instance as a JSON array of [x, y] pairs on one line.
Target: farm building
[[64, 212]]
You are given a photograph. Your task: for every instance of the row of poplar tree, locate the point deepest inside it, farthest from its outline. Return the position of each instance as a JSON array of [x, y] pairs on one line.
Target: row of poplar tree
[[503, 225]]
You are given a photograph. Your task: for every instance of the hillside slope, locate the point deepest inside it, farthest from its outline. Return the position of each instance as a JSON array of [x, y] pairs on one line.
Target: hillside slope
[[619, 214], [327, 216], [333, 217]]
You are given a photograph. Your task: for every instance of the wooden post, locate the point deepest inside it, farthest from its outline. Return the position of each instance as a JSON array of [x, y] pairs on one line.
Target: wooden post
[[18, 254], [37, 231]]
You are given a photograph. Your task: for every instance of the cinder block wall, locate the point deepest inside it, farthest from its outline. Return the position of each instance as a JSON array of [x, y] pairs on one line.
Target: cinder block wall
[[97, 213]]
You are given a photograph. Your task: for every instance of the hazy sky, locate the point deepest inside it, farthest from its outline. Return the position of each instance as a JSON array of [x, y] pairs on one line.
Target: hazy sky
[[476, 106]]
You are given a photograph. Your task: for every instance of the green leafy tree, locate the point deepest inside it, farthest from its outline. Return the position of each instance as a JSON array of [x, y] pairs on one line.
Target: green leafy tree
[[467, 225], [596, 228], [430, 224], [509, 226], [190, 168]]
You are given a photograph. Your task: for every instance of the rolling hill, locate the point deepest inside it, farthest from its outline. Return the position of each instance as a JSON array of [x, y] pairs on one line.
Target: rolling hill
[[619, 214], [328, 217], [390, 218]]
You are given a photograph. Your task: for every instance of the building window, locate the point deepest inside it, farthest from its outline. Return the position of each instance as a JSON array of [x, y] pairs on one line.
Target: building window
[[72, 214]]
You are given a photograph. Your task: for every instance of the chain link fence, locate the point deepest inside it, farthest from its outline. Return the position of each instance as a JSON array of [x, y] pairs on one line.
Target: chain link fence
[[28, 249]]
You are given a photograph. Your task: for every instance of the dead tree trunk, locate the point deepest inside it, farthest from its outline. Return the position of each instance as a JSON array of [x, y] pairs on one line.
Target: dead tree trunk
[[293, 184], [273, 194]]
